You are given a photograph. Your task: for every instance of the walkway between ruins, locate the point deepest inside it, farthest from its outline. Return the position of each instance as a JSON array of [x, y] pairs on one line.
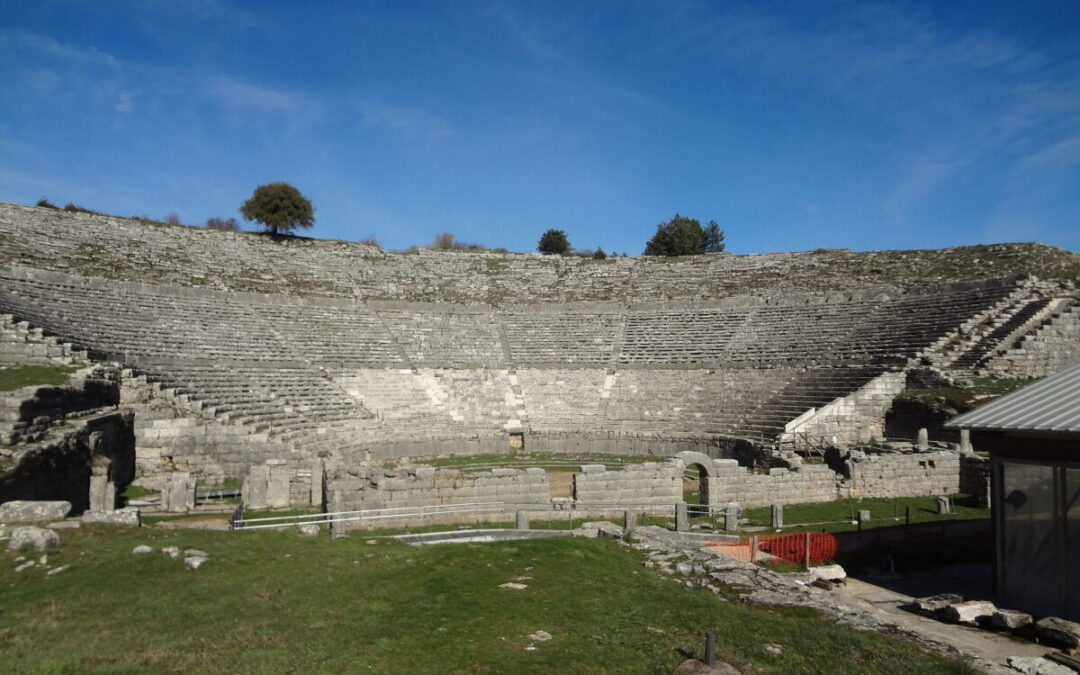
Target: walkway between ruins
[[995, 648]]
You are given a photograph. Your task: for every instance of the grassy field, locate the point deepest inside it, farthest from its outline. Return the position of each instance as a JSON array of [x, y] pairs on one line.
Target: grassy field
[[836, 516], [24, 376], [275, 602]]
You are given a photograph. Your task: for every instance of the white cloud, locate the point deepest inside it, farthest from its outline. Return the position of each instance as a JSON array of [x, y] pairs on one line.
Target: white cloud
[[238, 95]]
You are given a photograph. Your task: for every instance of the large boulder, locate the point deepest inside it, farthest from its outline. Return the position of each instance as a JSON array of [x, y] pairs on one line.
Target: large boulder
[[38, 538], [33, 512]]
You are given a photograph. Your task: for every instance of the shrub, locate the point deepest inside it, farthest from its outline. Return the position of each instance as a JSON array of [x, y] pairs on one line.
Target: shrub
[[73, 208], [599, 255], [553, 242], [46, 204], [222, 224], [173, 218]]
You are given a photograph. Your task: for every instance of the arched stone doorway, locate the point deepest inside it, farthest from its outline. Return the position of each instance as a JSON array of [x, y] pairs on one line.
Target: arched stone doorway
[[697, 481]]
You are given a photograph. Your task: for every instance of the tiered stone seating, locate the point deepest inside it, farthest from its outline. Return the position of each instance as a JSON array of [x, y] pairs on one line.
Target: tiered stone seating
[[447, 340], [983, 349], [551, 338], [428, 399], [563, 399], [720, 402], [808, 389], [680, 337], [279, 400]]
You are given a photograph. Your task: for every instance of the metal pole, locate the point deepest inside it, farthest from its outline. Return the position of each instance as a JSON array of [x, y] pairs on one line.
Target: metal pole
[[806, 550], [907, 515], [710, 648]]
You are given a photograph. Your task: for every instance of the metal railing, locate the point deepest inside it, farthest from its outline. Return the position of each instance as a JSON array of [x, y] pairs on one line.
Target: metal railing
[[552, 511]]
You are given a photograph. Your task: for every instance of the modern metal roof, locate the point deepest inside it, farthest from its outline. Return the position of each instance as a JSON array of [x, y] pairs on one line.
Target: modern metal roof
[[1052, 404]]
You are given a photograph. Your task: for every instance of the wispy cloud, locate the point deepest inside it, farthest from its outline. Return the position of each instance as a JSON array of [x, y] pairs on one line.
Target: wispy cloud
[[408, 123], [240, 95]]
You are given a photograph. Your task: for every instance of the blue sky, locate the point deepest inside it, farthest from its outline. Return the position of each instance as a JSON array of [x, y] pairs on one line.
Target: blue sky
[[794, 125]]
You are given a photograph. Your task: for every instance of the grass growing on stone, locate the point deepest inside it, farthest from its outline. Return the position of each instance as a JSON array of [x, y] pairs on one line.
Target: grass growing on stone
[[276, 602], [24, 376], [836, 516]]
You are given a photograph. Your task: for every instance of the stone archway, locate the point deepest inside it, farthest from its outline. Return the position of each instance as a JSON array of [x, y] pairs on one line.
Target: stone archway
[[706, 471]]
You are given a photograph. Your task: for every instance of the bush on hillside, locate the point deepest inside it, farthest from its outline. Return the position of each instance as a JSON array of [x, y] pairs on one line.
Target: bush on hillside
[[279, 207], [553, 242], [229, 225]]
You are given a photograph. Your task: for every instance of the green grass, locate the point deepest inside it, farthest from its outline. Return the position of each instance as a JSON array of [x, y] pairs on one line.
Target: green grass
[[883, 513], [137, 492], [24, 376], [983, 390], [276, 602]]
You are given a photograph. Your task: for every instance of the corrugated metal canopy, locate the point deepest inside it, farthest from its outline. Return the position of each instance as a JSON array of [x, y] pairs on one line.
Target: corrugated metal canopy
[[1050, 405]]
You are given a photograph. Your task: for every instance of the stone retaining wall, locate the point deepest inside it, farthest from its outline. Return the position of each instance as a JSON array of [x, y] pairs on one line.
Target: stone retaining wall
[[896, 474], [649, 483], [353, 488]]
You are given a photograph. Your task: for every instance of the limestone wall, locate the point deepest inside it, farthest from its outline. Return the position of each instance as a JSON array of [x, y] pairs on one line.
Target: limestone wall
[[903, 474], [858, 417], [357, 487], [27, 414], [808, 483], [638, 484]]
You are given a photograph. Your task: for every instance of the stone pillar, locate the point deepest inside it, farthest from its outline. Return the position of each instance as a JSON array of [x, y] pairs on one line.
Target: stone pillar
[[944, 507], [277, 484], [317, 482], [863, 515], [254, 490], [965, 441], [178, 496], [682, 518], [102, 495], [924, 439], [731, 518], [521, 520], [777, 516], [629, 522]]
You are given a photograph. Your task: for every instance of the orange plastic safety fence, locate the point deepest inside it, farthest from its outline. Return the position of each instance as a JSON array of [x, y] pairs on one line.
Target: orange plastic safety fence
[[790, 547]]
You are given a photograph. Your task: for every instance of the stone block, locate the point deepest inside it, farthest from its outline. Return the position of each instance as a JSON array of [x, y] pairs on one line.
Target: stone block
[[277, 486], [934, 603], [20, 511], [970, 612], [1059, 631], [37, 538], [254, 489], [129, 517], [828, 572], [1010, 619]]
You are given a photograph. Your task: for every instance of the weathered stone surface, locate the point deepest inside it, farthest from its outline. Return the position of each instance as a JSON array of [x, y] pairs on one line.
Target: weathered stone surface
[[1059, 631], [129, 516], [1010, 619], [65, 525], [934, 603], [195, 561], [40, 539], [970, 612], [696, 667], [142, 549], [828, 572], [308, 529], [171, 551], [30, 512], [1037, 665]]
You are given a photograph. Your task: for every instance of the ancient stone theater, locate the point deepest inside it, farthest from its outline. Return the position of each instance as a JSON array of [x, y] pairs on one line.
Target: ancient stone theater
[[327, 372]]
